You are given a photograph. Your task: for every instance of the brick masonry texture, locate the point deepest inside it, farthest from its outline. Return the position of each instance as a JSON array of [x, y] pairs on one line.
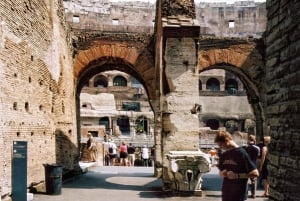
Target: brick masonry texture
[[39, 85], [282, 97], [37, 88]]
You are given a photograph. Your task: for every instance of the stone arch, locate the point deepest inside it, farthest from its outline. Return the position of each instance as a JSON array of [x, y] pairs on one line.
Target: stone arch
[[137, 62], [245, 61]]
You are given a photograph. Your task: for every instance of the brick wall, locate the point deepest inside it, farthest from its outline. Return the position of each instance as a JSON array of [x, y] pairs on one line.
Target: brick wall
[[283, 98], [37, 88]]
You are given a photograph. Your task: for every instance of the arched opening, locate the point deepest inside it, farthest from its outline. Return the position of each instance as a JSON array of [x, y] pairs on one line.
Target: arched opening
[[100, 81], [120, 81], [213, 84], [229, 108], [231, 126], [213, 124], [114, 108]]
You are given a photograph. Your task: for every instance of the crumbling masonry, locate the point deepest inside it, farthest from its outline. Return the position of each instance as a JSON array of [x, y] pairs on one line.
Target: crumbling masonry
[[42, 75]]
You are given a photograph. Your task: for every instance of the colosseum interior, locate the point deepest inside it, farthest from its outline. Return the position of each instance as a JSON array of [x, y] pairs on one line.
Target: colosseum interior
[[191, 59]]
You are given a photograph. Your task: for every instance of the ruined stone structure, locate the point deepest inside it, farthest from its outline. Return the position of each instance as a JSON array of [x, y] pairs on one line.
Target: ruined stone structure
[[41, 84], [113, 105], [113, 99], [239, 19], [282, 97], [37, 88]]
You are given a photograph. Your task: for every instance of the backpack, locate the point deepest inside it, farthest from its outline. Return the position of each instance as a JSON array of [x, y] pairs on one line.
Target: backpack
[[110, 150]]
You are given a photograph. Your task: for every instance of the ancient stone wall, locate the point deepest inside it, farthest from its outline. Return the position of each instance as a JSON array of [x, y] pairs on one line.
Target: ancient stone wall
[[238, 19], [283, 98], [37, 88], [130, 16]]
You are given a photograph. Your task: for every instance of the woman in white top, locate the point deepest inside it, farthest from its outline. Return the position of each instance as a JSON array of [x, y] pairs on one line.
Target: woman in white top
[[112, 151], [145, 155]]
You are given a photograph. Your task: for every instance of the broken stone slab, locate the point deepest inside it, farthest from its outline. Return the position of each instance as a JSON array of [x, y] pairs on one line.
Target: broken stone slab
[[186, 170]]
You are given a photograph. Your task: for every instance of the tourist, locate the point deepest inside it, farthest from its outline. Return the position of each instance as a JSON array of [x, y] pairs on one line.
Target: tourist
[[145, 156], [123, 154], [112, 151], [91, 147], [263, 165], [235, 167], [131, 154], [253, 151]]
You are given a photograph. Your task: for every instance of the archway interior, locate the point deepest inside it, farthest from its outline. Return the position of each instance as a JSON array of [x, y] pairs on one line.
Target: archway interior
[[126, 112], [224, 94]]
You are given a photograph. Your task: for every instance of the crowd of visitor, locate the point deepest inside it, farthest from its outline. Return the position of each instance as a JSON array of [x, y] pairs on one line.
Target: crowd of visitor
[[127, 154]]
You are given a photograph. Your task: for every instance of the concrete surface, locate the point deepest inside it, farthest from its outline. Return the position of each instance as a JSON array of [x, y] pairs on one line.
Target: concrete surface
[[128, 184]]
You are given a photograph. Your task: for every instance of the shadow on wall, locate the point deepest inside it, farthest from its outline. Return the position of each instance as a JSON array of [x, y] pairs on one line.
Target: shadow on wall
[[67, 154], [65, 166]]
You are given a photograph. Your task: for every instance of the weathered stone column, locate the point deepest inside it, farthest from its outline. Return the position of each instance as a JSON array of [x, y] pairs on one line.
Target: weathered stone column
[[179, 119]]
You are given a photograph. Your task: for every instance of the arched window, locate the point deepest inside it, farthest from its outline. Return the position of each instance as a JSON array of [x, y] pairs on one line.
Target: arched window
[[213, 84], [213, 124], [231, 126], [120, 81], [100, 81], [231, 86]]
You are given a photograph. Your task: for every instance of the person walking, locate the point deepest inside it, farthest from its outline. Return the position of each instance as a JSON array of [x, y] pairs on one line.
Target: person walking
[[131, 154], [91, 146], [145, 156], [253, 151], [263, 165], [235, 166]]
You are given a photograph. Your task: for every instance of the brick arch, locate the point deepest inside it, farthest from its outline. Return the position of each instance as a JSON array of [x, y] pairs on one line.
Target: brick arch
[[139, 61], [240, 56], [245, 61]]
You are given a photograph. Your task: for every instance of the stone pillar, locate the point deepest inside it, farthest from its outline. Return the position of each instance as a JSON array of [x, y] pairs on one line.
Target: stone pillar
[[180, 123]]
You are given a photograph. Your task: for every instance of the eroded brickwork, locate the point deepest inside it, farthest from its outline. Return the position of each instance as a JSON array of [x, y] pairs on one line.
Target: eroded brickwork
[[37, 90], [283, 98], [37, 86], [178, 7]]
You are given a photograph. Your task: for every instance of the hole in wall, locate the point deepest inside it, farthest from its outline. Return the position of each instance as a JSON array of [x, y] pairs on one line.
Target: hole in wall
[[27, 106], [15, 106]]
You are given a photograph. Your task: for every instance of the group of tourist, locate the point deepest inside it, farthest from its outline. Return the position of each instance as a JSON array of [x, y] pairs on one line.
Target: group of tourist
[[126, 154], [240, 164], [237, 164]]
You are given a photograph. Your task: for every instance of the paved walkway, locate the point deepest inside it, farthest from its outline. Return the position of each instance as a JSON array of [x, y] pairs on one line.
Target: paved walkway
[[128, 184]]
